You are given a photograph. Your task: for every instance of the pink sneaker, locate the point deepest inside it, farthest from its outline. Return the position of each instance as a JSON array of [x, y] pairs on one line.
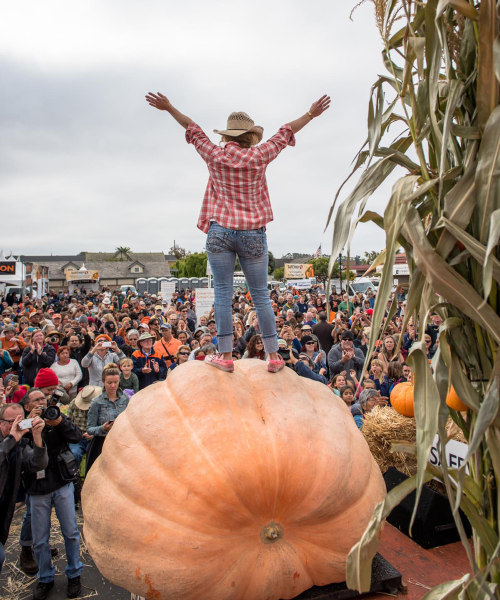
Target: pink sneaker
[[216, 360], [273, 366]]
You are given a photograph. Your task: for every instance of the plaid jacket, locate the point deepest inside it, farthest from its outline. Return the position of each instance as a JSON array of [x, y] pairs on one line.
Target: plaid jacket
[[237, 196]]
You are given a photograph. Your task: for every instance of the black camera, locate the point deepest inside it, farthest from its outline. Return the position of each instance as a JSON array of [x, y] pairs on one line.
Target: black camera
[[51, 413], [285, 353], [56, 396]]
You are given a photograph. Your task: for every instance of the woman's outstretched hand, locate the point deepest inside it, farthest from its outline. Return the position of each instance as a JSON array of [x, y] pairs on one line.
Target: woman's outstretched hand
[[161, 102], [158, 101], [319, 107]]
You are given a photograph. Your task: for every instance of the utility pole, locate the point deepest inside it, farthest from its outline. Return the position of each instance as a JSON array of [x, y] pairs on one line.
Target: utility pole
[[340, 272]]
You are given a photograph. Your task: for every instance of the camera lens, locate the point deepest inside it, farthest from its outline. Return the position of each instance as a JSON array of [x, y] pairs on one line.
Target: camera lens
[[51, 413]]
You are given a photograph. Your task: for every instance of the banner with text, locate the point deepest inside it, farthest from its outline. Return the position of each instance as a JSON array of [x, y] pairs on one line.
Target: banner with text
[[204, 301], [82, 275], [298, 271], [167, 289]]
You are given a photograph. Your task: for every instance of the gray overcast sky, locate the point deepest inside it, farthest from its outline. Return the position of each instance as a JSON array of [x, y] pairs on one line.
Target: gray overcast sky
[[86, 164]]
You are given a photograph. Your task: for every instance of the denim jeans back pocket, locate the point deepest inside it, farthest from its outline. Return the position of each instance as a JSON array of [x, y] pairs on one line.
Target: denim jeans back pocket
[[218, 240], [252, 244]]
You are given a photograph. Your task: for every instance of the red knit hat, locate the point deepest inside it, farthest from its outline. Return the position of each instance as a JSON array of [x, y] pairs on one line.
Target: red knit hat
[[46, 378]]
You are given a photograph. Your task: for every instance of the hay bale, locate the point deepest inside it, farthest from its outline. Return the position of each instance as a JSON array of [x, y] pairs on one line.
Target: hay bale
[[383, 426]]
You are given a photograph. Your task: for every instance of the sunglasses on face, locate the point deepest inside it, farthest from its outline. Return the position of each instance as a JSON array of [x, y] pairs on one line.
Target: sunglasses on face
[[183, 353]]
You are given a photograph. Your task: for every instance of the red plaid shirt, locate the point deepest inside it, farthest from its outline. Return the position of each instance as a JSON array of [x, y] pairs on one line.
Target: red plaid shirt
[[237, 196]]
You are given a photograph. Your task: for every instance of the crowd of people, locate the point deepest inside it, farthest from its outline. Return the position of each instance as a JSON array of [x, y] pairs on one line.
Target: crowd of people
[[69, 365]]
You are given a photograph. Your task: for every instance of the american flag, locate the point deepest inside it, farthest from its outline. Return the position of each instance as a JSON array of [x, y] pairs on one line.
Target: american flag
[[317, 254]]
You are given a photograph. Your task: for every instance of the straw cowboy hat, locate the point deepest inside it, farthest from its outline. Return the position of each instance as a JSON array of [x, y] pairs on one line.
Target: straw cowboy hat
[[238, 123], [86, 395]]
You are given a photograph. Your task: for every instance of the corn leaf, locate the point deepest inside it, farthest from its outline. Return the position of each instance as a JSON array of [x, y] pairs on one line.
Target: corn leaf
[[461, 6], [488, 173], [446, 281], [496, 57], [474, 248], [426, 413], [394, 218], [459, 204], [485, 418], [489, 259], [454, 99], [447, 591], [375, 113], [487, 86]]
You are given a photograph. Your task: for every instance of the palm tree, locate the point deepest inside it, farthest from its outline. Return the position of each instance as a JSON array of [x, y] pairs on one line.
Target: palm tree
[[122, 253]]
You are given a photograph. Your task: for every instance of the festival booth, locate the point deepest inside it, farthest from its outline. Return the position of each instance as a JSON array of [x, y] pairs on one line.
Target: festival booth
[[88, 279], [11, 275], [21, 278]]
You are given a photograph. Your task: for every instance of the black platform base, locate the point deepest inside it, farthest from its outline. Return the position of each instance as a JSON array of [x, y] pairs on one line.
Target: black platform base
[[385, 578]]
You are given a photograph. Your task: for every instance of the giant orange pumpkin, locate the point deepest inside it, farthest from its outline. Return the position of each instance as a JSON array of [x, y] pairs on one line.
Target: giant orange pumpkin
[[453, 401], [242, 486], [402, 399]]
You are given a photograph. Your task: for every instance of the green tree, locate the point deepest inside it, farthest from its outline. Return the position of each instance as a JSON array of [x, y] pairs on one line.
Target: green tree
[[193, 265], [320, 266], [369, 257], [279, 273]]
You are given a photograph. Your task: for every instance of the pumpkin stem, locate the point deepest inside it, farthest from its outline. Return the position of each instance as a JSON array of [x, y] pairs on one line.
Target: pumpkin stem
[[271, 532]]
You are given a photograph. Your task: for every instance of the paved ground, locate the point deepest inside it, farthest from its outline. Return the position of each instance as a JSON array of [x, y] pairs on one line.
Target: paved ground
[[15, 585]]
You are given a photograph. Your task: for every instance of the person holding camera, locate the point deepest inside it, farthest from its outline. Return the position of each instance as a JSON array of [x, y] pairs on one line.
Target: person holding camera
[[103, 353], [53, 486], [47, 382], [16, 457], [36, 356]]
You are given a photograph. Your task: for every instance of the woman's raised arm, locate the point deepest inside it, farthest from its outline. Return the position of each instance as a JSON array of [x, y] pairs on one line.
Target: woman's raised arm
[[161, 102], [317, 108]]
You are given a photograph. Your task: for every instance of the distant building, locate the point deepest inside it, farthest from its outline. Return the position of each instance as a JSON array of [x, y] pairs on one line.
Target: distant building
[[114, 268]]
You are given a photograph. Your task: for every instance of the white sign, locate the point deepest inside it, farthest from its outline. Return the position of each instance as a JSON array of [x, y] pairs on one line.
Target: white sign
[[302, 284], [455, 454], [400, 270], [204, 301], [167, 288]]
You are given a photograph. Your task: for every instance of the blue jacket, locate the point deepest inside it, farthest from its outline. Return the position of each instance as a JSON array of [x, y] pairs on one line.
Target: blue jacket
[[140, 361], [102, 409]]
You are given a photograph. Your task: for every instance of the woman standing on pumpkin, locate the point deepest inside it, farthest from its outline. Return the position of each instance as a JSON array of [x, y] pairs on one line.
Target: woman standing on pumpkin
[[234, 214]]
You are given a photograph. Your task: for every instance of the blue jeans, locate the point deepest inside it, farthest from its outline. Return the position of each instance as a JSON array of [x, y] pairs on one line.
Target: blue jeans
[[223, 245], [26, 538], [41, 506], [79, 449]]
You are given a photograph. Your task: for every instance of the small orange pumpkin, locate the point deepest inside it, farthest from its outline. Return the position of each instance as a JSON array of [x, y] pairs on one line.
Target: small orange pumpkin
[[453, 401], [402, 399], [241, 486]]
